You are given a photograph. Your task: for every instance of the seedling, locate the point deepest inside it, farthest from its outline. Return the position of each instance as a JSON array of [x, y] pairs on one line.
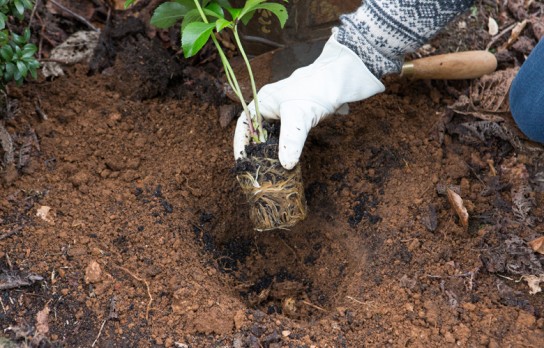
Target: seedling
[[200, 21], [275, 195]]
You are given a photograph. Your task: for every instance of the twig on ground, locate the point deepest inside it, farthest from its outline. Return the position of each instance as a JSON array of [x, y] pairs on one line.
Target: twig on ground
[[99, 332], [187, 184], [470, 275], [8, 261], [33, 13], [42, 34], [499, 35], [505, 277], [39, 111], [147, 286], [3, 307], [13, 281], [356, 300], [9, 234], [78, 17], [291, 248], [313, 306]]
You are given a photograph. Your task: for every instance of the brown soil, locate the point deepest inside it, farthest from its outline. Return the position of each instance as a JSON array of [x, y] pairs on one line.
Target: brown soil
[[149, 243]]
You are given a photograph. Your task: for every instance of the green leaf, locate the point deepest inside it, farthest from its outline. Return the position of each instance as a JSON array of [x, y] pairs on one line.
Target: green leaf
[[210, 15], [234, 12], [10, 71], [17, 75], [28, 51], [18, 53], [216, 9], [4, 38], [21, 67], [195, 36], [221, 24], [27, 4], [223, 3], [129, 3], [249, 7], [247, 17], [19, 7], [26, 35], [167, 14], [277, 9], [7, 53], [190, 17], [3, 20], [18, 39], [33, 64], [187, 3], [33, 73]]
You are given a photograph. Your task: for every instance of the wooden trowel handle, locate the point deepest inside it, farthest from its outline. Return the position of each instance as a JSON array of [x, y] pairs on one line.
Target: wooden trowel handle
[[451, 66]]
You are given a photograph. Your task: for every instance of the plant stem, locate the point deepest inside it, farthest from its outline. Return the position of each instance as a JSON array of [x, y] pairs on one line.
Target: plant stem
[[232, 80], [259, 120], [202, 15]]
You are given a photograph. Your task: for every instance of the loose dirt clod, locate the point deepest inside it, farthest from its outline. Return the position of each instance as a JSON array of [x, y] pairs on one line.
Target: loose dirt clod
[[43, 213], [93, 273]]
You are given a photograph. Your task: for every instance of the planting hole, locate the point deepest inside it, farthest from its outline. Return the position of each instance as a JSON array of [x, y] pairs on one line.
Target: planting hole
[[295, 273]]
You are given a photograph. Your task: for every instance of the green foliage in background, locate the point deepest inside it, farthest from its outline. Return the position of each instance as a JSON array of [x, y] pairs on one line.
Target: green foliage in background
[[17, 54]]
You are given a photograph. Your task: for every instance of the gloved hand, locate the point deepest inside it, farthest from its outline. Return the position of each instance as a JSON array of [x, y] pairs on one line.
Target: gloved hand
[[310, 94]]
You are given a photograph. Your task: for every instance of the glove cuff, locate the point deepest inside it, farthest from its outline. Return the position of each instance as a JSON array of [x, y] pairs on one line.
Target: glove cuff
[[382, 32], [357, 81]]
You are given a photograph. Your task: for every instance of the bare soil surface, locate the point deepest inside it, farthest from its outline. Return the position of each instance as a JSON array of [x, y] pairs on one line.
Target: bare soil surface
[[148, 243]]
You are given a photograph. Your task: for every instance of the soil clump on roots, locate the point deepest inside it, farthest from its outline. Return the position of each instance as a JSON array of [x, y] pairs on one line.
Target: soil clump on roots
[[275, 195]]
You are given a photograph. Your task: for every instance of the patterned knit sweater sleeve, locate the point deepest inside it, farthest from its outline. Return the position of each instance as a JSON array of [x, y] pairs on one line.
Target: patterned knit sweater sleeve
[[380, 32]]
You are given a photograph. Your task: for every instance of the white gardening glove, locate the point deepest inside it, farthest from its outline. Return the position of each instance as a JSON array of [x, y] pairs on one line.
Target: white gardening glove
[[311, 93]]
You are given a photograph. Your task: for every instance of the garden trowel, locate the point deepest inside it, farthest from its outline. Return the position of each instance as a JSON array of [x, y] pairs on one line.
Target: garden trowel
[[278, 64]]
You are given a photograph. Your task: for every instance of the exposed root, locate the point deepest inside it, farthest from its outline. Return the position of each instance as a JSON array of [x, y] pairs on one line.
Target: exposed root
[[313, 306], [99, 332], [147, 286], [292, 250], [275, 195]]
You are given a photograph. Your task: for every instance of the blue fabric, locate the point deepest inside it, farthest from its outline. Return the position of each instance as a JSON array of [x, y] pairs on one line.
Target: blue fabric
[[527, 95]]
